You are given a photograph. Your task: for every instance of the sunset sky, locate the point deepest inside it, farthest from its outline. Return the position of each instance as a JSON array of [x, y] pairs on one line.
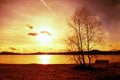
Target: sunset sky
[[41, 25]]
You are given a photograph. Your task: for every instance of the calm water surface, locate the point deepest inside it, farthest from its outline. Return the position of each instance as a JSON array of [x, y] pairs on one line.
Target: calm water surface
[[50, 59]]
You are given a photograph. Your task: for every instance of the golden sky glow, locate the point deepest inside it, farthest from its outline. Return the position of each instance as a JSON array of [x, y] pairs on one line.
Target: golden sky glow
[[40, 25]]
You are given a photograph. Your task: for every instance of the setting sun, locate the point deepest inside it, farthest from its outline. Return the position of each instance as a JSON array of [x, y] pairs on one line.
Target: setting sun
[[44, 39], [45, 36]]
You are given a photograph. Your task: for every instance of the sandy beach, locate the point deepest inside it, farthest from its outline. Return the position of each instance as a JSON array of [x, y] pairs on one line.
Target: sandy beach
[[109, 71]]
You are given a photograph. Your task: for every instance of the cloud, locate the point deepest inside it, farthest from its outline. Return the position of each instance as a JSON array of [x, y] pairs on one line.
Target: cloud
[[29, 26], [12, 48], [32, 34], [45, 32], [107, 9]]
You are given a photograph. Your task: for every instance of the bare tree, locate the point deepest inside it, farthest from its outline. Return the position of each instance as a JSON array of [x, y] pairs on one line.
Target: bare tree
[[85, 33]]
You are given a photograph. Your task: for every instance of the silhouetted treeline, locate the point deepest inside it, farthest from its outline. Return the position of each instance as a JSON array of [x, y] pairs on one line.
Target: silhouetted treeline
[[93, 52]]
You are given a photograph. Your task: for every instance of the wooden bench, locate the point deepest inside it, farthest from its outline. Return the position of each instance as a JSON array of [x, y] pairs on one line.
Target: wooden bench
[[102, 61]]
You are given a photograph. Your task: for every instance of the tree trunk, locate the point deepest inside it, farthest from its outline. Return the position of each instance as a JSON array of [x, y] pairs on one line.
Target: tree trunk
[[89, 59], [83, 58]]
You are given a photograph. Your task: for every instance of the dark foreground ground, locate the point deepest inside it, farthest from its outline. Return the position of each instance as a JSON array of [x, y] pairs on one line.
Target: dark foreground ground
[[58, 72]]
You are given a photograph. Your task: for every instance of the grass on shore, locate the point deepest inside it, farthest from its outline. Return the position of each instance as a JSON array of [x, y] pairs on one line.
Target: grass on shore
[[58, 72]]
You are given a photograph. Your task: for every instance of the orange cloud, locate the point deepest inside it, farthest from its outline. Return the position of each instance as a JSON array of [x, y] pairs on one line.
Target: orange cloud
[[12, 48], [29, 26], [32, 34]]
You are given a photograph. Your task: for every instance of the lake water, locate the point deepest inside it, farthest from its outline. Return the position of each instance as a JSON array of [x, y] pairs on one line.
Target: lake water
[[50, 59]]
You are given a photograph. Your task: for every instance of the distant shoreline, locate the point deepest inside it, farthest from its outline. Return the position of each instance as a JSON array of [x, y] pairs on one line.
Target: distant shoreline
[[93, 52]]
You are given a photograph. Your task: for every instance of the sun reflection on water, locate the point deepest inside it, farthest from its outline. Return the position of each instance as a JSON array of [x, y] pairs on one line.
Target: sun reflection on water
[[44, 59]]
